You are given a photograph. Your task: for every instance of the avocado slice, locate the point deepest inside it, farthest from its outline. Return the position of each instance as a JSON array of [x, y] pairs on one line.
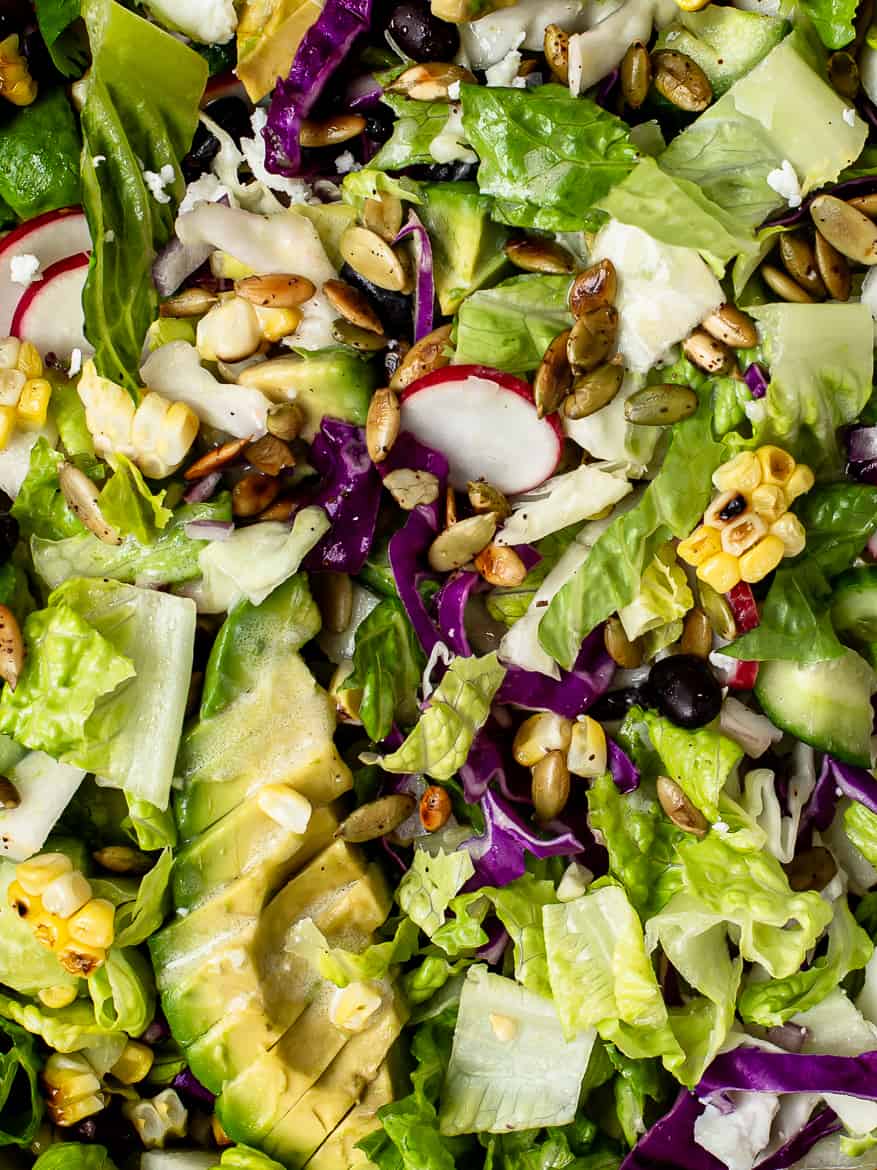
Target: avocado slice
[[338, 1151], [467, 245], [725, 42]]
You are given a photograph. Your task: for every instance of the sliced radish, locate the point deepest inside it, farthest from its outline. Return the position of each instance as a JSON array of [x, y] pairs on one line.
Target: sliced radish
[[50, 237], [50, 314], [738, 674], [744, 607], [485, 423]]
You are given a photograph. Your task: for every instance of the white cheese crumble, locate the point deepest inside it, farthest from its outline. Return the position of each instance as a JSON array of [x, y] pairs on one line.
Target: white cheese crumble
[[205, 189], [75, 363], [156, 181], [345, 163], [24, 269], [109, 236], [784, 181], [454, 91], [850, 116], [505, 71], [449, 145], [756, 411], [721, 826]]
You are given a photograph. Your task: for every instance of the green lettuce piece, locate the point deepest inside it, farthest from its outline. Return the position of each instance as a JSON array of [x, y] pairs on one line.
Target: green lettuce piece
[[15, 586], [833, 20], [510, 326], [341, 966], [795, 620], [636, 1082], [134, 131], [462, 932], [699, 760], [861, 828], [67, 45], [664, 596], [433, 879], [777, 1000], [170, 560], [458, 707], [129, 506], [138, 919], [839, 519], [610, 577], [39, 507], [246, 1158], [371, 183], [69, 667], [68, 1029], [74, 1156], [519, 907], [123, 992], [509, 603], [387, 665], [25, 966], [21, 1103], [68, 411], [421, 983], [150, 827], [416, 125], [545, 156], [39, 155]]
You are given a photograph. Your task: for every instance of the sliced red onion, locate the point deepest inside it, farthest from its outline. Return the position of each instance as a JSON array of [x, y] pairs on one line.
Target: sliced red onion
[[788, 1036], [175, 262], [862, 444], [208, 529], [863, 472], [756, 379], [424, 288], [737, 673], [188, 1084], [202, 489], [363, 93], [743, 606]]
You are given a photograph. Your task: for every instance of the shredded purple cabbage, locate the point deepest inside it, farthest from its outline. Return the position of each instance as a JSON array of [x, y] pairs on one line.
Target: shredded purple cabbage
[[450, 602], [757, 1070], [363, 93], [351, 494], [202, 489], [670, 1144], [624, 771], [499, 854], [487, 763], [820, 1125], [570, 695], [862, 444], [319, 54], [606, 89], [856, 783], [494, 949], [424, 285], [188, 1084]]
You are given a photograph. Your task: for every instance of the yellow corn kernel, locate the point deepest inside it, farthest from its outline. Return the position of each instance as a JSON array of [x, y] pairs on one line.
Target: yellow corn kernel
[[712, 516], [703, 543], [691, 5], [762, 559], [769, 501], [742, 532], [80, 959], [721, 572], [37, 872], [24, 904], [33, 405], [12, 382], [50, 930], [66, 894], [134, 1063], [73, 1089], [109, 411], [791, 532], [8, 416], [94, 923], [740, 474], [16, 83], [161, 434], [801, 481], [277, 323], [777, 465], [59, 996], [226, 267], [540, 734], [29, 361], [587, 750], [9, 347]]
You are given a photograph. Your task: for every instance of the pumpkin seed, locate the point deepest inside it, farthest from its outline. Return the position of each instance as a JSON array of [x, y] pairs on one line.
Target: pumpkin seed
[[457, 545], [811, 869], [352, 305], [484, 497], [333, 593], [658, 406], [281, 510], [377, 818], [707, 353], [122, 859], [9, 795], [679, 809], [276, 291], [783, 285], [215, 459], [555, 45], [697, 634], [852, 233], [540, 734], [867, 204], [538, 255], [681, 81], [717, 610], [435, 808], [382, 424], [430, 353], [373, 258], [596, 286], [500, 565], [253, 493], [591, 392], [331, 131], [592, 338], [191, 302], [843, 75], [623, 652], [11, 647], [732, 326], [429, 81], [554, 376], [411, 488], [833, 269], [383, 216], [363, 340], [550, 786], [285, 420], [83, 500], [270, 455], [450, 506], [800, 263], [636, 75]]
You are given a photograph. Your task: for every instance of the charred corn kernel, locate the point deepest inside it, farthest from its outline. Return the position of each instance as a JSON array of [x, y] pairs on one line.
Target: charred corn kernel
[[740, 474], [769, 501], [721, 572], [762, 558], [277, 323], [742, 533], [134, 1063], [729, 503], [29, 361], [540, 734], [94, 923], [79, 958], [12, 382], [800, 481], [50, 930], [73, 1090], [59, 996], [791, 532], [161, 434], [587, 748], [24, 904], [16, 83], [109, 412], [163, 1117], [777, 465], [37, 872], [66, 894], [354, 1005], [285, 807], [9, 347], [33, 405], [8, 417], [703, 543]]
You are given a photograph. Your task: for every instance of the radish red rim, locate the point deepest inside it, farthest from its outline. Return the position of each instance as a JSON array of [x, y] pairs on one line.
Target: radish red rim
[[59, 268]]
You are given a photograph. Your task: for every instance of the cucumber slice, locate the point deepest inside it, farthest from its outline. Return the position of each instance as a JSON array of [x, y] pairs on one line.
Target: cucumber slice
[[854, 610], [826, 704]]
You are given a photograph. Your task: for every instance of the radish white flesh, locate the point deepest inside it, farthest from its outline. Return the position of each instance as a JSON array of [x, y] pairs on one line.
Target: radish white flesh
[[50, 237], [485, 423], [50, 314]]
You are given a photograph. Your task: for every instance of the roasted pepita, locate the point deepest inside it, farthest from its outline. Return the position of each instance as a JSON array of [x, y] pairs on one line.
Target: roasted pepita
[[811, 869], [191, 302], [782, 284], [215, 459], [285, 420], [275, 291], [382, 424], [373, 258], [537, 255], [11, 648], [847, 229], [732, 326], [555, 45], [659, 406], [799, 261], [253, 493], [377, 818], [450, 506], [623, 652], [363, 340], [591, 392], [500, 565], [553, 378], [697, 634], [269, 455], [82, 499], [122, 859], [432, 352], [681, 81], [679, 809], [331, 131], [707, 352], [429, 81], [435, 808], [333, 593], [484, 497], [281, 510], [383, 216], [10, 797], [867, 204], [597, 285], [460, 543], [411, 488], [592, 338], [550, 786], [636, 75], [833, 268], [352, 305]]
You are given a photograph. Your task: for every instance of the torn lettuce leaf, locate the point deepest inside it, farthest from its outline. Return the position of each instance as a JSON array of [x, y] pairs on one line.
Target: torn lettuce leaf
[[417, 125], [426, 890], [664, 596], [699, 760], [128, 504], [510, 326], [387, 667]]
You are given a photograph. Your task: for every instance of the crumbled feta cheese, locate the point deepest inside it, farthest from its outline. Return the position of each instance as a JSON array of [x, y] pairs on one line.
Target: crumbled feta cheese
[[75, 363], [505, 72], [205, 189], [24, 269], [345, 163], [721, 826], [449, 145], [756, 411], [850, 116], [98, 159], [157, 181], [209, 22], [454, 91], [784, 181]]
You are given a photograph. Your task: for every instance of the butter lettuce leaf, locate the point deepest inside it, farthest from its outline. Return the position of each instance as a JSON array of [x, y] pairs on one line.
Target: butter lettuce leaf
[[39, 507], [387, 665], [433, 879], [138, 919], [128, 504], [839, 518], [416, 125], [510, 326], [664, 597], [699, 760], [122, 990], [795, 619]]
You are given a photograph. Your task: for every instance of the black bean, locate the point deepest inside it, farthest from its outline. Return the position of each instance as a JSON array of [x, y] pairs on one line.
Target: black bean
[[393, 308], [733, 508], [8, 529], [230, 114], [443, 172], [614, 705], [421, 35], [684, 689]]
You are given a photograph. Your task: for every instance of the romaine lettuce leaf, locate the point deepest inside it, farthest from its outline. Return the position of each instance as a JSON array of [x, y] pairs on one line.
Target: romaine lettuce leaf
[[68, 1029], [566, 499], [39, 507], [75, 1156], [21, 1103], [699, 760], [416, 125], [387, 666], [795, 619], [458, 707], [510, 326], [664, 596], [150, 827], [128, 504], [433, 879], [518, 906], [122, 990], [138, 919], [833, 20]]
